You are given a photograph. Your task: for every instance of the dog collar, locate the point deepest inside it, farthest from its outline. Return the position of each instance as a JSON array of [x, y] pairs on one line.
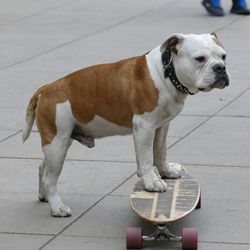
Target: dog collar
[[169, 72]]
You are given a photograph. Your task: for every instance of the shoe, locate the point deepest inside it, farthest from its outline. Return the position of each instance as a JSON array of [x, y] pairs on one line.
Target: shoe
[[240, 7], [213, 7]]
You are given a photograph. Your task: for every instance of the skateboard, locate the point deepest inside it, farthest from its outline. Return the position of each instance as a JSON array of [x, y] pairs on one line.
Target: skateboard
[[161, 209]]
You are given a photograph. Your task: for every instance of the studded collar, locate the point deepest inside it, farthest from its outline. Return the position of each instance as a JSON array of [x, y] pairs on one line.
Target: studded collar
[[169, 72]]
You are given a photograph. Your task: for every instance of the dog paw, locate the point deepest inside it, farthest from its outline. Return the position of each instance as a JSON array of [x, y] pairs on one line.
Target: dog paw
[[42, 198], [153, 183], [61, 211], [172, 171], [157, 186]]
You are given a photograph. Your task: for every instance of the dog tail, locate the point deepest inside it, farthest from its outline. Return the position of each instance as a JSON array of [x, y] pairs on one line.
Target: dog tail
[[31, 113]]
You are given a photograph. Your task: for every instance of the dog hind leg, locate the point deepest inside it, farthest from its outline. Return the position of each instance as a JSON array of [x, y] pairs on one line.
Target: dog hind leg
[[55, 154], [42, 196], [55, 123]]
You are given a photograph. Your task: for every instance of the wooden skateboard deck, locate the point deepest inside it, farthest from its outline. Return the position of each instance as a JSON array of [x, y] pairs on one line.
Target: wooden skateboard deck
[[179, 200]]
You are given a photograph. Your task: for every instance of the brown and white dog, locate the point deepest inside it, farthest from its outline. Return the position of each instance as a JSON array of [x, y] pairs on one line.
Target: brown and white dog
[[139, 95]]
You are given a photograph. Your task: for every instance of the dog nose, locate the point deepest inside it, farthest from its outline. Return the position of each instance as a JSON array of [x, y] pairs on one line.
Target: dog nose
[[219, 68]]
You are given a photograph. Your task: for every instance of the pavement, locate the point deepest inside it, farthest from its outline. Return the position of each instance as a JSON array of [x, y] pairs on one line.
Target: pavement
[[42, 40]]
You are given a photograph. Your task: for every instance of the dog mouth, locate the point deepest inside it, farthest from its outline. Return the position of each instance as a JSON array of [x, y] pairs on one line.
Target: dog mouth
[[219, 83]]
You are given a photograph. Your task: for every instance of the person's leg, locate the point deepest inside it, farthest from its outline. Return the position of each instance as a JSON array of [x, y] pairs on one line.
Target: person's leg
[[240, 7], [213, 7]]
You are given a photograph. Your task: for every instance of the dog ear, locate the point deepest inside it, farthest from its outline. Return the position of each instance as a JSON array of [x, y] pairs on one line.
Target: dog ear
[[216, 40], [172, 42], [213, 34]]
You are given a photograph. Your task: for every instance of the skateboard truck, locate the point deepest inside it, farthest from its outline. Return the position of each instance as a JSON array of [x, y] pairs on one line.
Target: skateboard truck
[[135, 238], [162, 234]]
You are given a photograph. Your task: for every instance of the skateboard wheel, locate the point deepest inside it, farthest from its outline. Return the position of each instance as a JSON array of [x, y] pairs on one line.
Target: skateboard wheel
[[134, 238], [198, 206], [190, 238]]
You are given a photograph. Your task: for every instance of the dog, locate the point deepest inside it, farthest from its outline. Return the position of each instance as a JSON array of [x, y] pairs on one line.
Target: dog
[[138, 95]]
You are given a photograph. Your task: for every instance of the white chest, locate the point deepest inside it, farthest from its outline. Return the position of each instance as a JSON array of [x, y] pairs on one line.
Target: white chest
[[170, 101]]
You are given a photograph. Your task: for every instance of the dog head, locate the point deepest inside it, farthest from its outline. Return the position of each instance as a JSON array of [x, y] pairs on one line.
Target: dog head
[[199, 61]]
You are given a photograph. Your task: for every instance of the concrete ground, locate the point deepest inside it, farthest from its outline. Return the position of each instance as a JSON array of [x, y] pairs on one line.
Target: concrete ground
[[43, 40]]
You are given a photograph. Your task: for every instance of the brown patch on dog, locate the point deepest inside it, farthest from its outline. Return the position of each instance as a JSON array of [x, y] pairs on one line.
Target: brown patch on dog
[[172, 44], [49, 97], [114, 91]]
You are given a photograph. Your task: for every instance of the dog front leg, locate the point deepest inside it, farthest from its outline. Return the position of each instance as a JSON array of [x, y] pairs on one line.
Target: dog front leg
[[160, 152], [143, 140]]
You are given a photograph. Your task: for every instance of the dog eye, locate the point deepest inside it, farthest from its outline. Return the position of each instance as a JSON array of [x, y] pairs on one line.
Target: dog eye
[[200, 59], [224, 57]]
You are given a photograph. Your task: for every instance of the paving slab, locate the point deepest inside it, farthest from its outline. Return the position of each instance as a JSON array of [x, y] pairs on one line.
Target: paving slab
[[154, 26], [220, 141], [15, 10], [116, 148], [13, 84], [25, 46], [77, 178], [80, 187], [239, 58], [211, 102], [74, 17], [239, 107], [5, 134], [12, 119], [70, 19], [24, 242], [22, 213], [235, 38]]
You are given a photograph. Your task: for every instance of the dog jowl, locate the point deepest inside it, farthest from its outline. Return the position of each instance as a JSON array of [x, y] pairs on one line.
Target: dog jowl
[[138, 95]]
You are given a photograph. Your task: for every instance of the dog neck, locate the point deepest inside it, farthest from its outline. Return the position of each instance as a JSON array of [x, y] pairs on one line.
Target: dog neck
[[169, 72], [156, 69]]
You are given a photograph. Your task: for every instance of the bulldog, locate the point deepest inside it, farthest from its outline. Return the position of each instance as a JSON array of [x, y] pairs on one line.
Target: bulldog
[[138, 95]]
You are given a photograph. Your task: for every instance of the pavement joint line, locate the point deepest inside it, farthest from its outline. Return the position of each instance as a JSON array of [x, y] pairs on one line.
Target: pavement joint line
[[230, 23], [127, 162], [63, 194], [98, 31], [86, 211], [66, 160], [193, 115], [92, 236], [215, 165], [209, 118], [119, 195], [226, 243], [185, 164], [234, 116], [32, 234], [10, 136], [12, 107], [37, 13]]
